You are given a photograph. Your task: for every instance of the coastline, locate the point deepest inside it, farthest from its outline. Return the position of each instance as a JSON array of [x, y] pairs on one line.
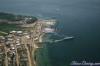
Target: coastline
[[31, 36]]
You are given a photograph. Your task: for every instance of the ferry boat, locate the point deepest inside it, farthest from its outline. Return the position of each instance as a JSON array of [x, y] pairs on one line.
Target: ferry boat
[[53, 38], [66, 38]]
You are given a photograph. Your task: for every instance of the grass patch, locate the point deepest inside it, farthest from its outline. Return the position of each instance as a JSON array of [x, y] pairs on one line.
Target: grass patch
[[8, 27]]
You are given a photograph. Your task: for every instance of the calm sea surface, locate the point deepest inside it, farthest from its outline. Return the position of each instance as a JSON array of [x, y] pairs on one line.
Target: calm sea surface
[[79, 18]]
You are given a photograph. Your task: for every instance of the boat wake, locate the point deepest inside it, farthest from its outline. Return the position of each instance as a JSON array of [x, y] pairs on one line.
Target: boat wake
[[58, 38], [66, 38]]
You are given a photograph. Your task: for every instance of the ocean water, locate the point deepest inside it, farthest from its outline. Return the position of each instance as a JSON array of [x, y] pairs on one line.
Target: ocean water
[[79, 18]]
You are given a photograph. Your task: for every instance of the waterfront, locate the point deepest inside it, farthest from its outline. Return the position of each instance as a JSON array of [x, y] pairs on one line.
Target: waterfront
[[79, 18]]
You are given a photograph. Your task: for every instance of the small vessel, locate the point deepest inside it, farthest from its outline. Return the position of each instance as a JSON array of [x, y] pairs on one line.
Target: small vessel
[[71, 37], [66, 38], [54, 38]]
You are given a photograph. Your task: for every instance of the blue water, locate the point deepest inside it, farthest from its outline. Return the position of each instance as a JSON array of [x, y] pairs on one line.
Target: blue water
[[80, 18]]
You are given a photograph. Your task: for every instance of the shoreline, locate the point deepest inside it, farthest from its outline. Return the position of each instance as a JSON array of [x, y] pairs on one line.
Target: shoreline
[[28, 40]]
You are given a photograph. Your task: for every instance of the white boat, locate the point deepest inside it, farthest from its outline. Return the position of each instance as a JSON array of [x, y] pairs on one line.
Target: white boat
[[71, 37], [66, 38], [54, 37]]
